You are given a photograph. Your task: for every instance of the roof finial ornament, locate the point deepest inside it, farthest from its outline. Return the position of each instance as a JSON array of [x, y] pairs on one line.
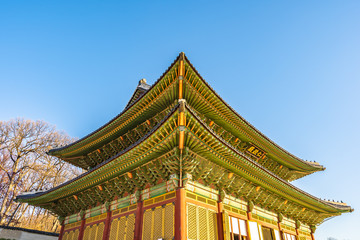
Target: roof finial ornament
[[182, 56], [142, 81]]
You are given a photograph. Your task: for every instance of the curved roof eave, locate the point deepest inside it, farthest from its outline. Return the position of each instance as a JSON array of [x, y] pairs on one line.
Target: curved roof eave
[[339, 206], [55, 151], [144, 138]]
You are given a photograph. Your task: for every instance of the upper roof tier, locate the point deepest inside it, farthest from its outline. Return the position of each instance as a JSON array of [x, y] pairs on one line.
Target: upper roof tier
[[149, 104]]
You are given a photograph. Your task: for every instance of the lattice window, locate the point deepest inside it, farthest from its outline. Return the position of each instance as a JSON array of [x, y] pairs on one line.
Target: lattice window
[[122, 228], [93, 234], [100, 230], [203, 229], [86, 233], [159, 222], [169, 221], [147, 224], [130, 227], [226, 224], [95, 231], [201, 223], [113, 229], [211, 225], [72, 235], [65, 236]]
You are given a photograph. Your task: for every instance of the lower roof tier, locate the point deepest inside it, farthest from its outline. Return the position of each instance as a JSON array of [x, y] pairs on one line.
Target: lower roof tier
[[185, 146]]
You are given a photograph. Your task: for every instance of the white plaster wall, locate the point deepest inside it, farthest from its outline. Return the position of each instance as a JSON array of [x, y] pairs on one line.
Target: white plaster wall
[[21, 235]]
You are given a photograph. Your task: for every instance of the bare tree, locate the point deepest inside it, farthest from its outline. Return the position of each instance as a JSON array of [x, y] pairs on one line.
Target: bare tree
[[25, 166]]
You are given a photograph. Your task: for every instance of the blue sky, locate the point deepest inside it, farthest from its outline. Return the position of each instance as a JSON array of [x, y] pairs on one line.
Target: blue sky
[[291, 69]]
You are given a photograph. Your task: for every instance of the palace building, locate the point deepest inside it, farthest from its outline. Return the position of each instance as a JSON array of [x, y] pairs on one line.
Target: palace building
[[179, 163]]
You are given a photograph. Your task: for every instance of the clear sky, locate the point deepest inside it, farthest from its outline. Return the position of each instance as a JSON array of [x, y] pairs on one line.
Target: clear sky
[[290, 68]]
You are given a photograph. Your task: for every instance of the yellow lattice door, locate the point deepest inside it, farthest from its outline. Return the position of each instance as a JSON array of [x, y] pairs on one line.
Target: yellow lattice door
[[76, 234], [147, 224], [169, 221], [100, 230], [158, 220], [226, 226], [192, 222], [87, 233], [201, 223], [203, 229], [130, 227], [212, 225], [72, 235], [113, 229], [92, 234], [159, 223], [122, 228], [65, 236]]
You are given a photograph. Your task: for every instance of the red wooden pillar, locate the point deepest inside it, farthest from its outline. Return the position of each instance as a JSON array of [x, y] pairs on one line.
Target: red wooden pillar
[[107, 224], [220, 221], [82, 228], [312, 228], [62, 229], [249, 215], [312, 236], [297, 233], [138, 220], [180, 215], [280, 231], [297, 227]]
